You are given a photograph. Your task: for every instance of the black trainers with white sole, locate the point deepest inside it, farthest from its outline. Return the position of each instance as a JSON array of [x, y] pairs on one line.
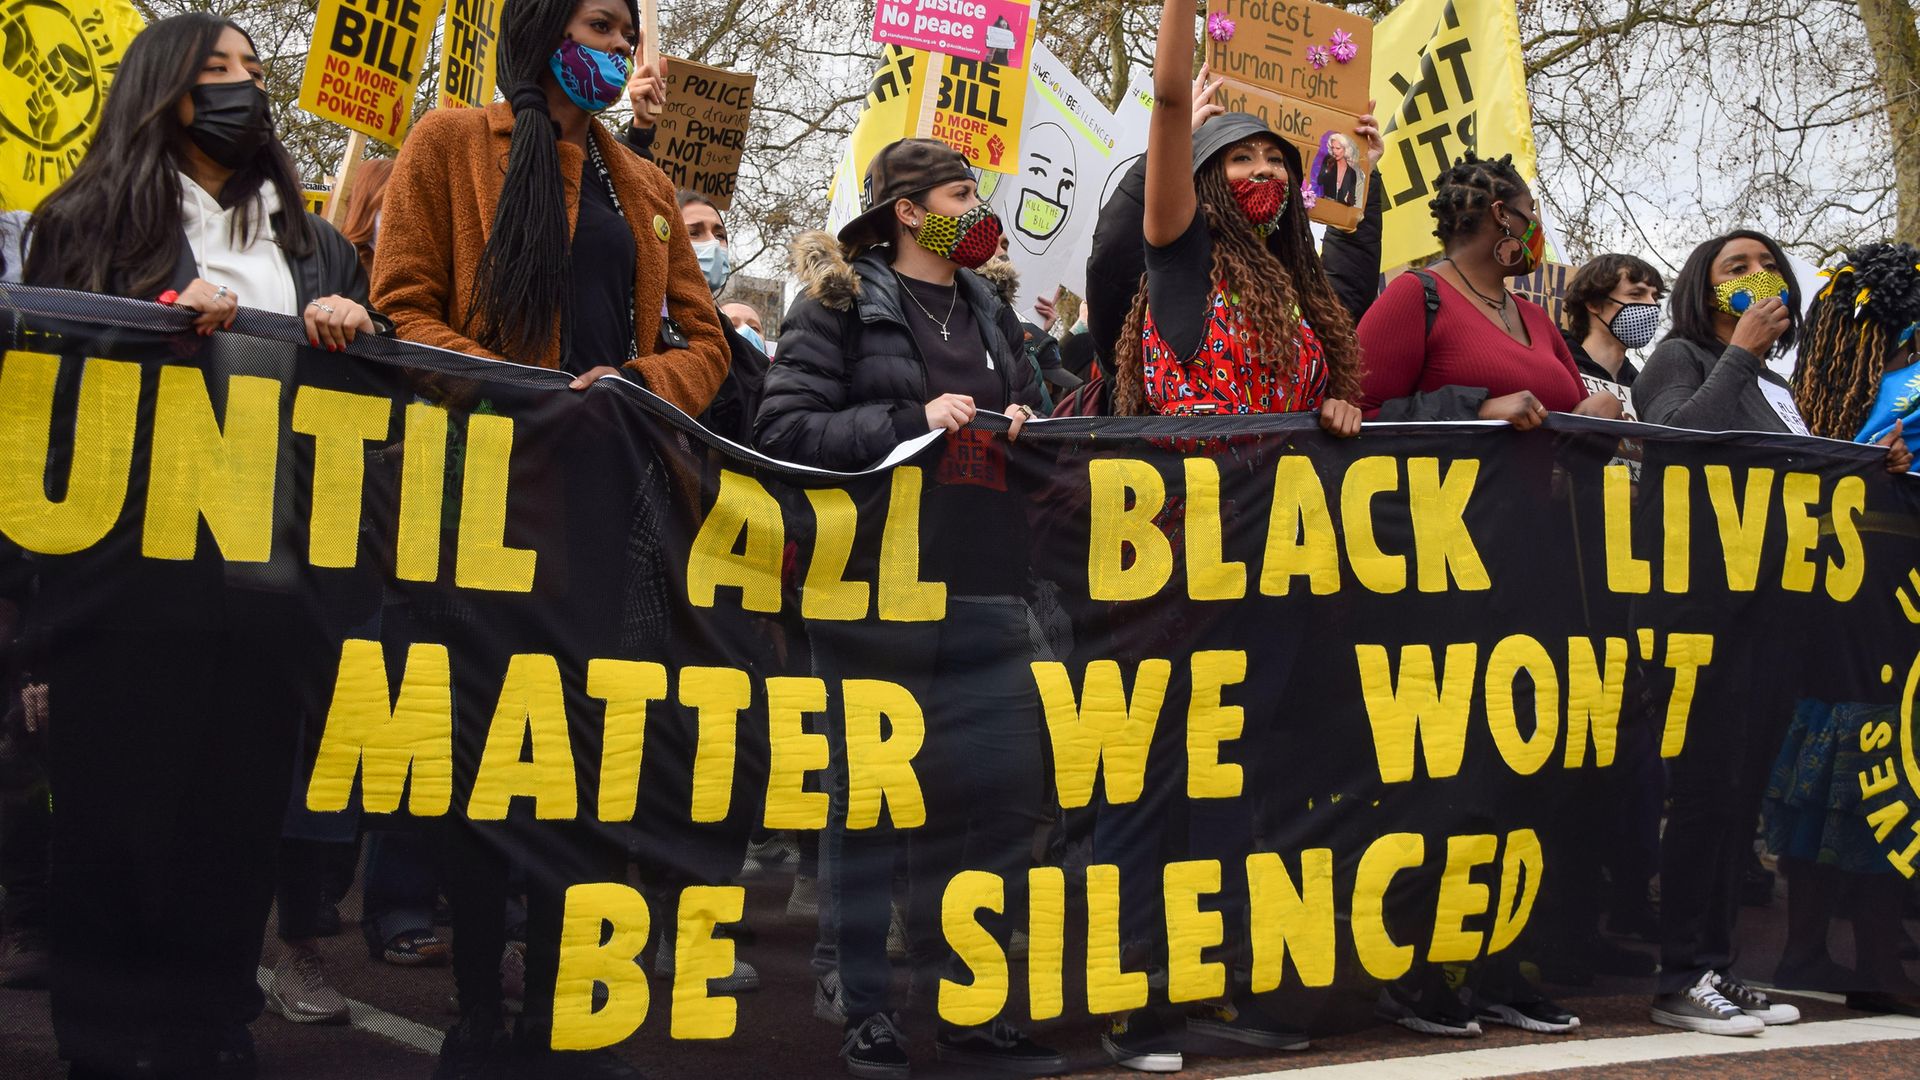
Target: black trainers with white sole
[[1431, 1012], [1239, 1019], [1701, 1007], [874, 1049], [1144, 1041], [1532, 1012], [999, 1046]]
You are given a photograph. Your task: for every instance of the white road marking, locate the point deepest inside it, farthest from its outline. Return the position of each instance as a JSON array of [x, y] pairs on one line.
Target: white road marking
[[379, 1022], [1549, 1055]]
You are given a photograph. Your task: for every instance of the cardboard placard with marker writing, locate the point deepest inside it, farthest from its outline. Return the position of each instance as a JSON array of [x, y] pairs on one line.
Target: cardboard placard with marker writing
[[700, 134], [1304, 68], [365, 64]]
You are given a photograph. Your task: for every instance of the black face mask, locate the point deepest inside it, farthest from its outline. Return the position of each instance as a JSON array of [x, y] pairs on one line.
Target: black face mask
[[230, 122]]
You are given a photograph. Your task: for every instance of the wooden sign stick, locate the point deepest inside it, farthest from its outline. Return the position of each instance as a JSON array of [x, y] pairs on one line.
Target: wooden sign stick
[[650, 33], [349, 164], [930, 94]]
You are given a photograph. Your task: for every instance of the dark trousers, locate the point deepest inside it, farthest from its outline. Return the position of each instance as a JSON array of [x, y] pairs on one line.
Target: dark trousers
[[400, 884], [26, 828], [171, 760], [981, 773]]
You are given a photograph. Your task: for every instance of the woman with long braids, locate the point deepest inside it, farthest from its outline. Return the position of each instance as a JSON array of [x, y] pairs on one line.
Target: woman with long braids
[[1236, 314], [1858, 377], [524, 231], [1483, 353], [172, 742]]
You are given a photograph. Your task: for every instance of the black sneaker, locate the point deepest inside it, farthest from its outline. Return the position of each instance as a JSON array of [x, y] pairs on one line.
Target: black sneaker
[[1143, 1041], [473, 1048], [875, 1049], [1001, 1046], [1753, 1002], [1528, 1010], [1239, 1019], [1430, 1010]]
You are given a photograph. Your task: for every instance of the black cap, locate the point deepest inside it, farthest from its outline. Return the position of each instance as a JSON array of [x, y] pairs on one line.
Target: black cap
[[1226, 129], [901, 170]]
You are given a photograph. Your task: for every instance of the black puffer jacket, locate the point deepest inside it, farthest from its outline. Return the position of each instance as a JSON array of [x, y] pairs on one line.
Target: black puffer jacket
[[849, 384]]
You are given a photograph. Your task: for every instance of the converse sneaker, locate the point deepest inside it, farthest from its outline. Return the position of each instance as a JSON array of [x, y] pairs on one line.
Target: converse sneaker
[[828, 1002], [743, 980], [300, 990], [1753, 1002], [1430, 1010], [1142, 1041], [1239, 1019], [874, 1049], [999, 1046], [1701, 1007]]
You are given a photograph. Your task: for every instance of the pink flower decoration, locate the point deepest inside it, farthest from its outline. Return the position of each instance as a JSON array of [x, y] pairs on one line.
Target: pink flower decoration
[[1219, 27], [1344, 50], [1309, 198], [1318, 56]]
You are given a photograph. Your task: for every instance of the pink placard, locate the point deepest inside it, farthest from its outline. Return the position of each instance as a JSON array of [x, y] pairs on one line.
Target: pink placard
[[991, 30]]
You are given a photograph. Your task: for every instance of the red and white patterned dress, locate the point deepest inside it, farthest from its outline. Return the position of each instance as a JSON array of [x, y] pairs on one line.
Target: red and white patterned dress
[[1226, 375]]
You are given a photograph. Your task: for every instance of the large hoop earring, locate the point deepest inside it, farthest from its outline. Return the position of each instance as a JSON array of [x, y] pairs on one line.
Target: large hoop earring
[[1509, 251]]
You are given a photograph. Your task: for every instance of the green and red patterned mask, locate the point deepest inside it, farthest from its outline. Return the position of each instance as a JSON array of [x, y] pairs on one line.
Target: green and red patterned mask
[[968, 240]]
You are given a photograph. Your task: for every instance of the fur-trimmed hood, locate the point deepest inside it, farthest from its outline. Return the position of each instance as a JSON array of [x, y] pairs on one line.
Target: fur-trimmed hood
[[821, 268]]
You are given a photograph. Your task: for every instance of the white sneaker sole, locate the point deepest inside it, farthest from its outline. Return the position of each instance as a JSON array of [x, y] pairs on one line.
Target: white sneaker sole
[[1471, 1030], [281, 1008], [1737, 1026], [1775, 1015], [1160, 1061]]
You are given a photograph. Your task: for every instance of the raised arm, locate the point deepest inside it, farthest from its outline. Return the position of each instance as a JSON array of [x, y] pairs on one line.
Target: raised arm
[[1170, 199]]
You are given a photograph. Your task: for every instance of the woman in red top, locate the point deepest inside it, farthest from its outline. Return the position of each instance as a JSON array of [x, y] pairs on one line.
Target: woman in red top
[[1486, 354], [1237, 315]]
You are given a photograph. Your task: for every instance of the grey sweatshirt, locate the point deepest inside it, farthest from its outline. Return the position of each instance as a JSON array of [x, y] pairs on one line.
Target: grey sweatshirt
[[1687, 386]]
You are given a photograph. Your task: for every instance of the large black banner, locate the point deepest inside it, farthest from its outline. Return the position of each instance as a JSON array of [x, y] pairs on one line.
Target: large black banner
[[1122, 713]]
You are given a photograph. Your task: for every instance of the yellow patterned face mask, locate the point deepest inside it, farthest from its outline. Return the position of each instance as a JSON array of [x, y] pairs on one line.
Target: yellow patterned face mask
[[1736, 296]]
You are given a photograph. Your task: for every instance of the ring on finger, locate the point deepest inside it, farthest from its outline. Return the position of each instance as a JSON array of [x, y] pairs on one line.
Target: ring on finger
[[324, 307], [220, 292]]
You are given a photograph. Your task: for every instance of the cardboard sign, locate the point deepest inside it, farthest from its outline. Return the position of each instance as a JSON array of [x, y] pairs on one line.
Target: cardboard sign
[[1304, 68], [1547, 286], [1322, 136], [1268, 45], [467, 55], [365, 64], [703, 129], [991, 30], [61, 56]]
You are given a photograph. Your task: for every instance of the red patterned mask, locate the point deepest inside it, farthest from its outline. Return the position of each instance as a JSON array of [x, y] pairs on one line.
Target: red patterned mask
[[1262, 201]]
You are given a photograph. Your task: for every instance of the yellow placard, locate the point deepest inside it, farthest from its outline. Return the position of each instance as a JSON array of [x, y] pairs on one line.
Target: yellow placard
[[980, 111], [61, 56], [365, 62], [1449, 78], [315, 200], [467, 52]]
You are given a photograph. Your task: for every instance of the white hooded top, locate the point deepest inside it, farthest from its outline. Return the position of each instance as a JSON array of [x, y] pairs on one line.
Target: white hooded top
[[258, 274]]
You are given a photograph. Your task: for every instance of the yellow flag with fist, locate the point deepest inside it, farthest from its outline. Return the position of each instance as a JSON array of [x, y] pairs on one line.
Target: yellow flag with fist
[[57, 58]]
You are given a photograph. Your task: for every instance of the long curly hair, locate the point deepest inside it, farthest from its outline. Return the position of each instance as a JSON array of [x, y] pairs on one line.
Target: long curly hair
[[1872, 297], [1280, 282]]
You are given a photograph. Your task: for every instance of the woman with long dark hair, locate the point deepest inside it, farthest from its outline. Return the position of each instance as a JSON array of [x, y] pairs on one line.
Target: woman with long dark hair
[[174, 738], [1236, 314], [186, 195], [573, 254]]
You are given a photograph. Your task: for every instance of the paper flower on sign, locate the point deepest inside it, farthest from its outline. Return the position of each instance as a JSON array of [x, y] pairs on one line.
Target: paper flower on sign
[[1343, 49], [1318, 56], [1309, 197], [1219, 27]]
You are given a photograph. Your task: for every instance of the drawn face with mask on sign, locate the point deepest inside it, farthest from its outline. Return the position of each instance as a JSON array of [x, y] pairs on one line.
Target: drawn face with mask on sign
[[1048, 180]]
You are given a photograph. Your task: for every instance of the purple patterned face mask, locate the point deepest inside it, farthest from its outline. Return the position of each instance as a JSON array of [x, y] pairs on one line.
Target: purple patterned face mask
[[592, 78]]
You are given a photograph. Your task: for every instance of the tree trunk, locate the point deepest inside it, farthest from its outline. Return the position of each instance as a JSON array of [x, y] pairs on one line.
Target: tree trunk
[[1119, 67], [1896, 57]]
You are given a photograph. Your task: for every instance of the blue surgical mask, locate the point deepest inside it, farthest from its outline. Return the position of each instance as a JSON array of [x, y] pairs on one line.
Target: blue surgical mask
[[592, 78], [716, 262], [753, 336]]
